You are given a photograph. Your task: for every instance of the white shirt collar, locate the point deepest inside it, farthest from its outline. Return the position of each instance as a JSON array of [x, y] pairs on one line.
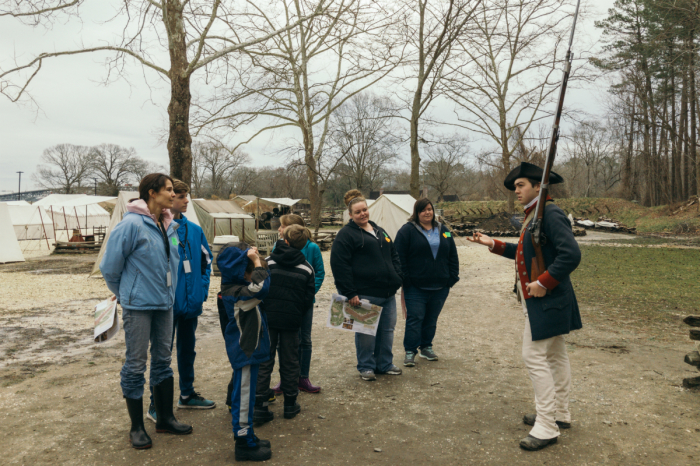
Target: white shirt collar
[[532, 202]]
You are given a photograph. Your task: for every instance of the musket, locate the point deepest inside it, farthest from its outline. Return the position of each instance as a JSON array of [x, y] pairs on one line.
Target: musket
[[535, 227]]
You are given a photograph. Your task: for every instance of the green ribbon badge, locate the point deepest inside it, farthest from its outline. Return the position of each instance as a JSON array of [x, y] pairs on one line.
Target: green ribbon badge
[[174, 241], [447, 234]]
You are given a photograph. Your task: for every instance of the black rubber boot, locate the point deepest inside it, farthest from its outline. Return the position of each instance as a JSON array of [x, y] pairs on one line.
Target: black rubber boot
[[165, 420], [137, 435], [262, 413], [291, 407], [246, 453]]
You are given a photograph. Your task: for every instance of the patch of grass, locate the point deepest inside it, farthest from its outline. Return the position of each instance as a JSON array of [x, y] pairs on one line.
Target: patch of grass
[[644, 284]]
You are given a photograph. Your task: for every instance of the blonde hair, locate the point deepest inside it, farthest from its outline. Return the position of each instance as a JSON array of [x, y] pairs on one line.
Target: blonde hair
[[292, 219], [352, 197], [297, 236]]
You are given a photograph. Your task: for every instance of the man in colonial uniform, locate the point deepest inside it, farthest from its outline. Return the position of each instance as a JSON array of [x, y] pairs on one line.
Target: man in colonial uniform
[[548, 302]]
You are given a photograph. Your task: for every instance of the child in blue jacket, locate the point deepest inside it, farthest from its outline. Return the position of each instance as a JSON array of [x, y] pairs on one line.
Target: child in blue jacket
[[244, 284], [191, 292]]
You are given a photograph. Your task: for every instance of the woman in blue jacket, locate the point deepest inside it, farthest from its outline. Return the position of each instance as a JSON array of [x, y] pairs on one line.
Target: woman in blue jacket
[[312, 253], [140, 267], [430, 267]]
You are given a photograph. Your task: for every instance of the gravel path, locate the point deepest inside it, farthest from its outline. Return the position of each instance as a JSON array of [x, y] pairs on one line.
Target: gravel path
[[60, 401]]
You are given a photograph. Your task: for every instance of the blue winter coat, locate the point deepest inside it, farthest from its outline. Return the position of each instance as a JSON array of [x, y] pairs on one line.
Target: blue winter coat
[[135, 264], [192, 288], [246, 336], [556, 313]]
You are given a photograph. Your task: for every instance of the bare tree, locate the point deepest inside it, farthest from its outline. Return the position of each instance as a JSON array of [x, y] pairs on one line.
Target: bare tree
[[196, 34], [505, 71], [445, 166], [113, 165], [244, 180], [306, 74], [64, 167], [431, 29], [216, 163], [363, 130], [590, 147]]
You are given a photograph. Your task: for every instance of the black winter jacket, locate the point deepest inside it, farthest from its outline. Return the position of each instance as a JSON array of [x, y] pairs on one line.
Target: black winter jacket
[[420, 269], [363, 264], [292, 288]]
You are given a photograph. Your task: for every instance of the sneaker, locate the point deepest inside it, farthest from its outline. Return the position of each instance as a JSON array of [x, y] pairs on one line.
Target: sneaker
[[428, 353], [195, 401], [277, 388], [410, 359], [368, 375], [151, 414], [305, 385], [393, 370], [271, 396]]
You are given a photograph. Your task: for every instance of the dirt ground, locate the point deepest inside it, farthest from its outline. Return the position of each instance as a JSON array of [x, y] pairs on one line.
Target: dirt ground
[[60, 400]]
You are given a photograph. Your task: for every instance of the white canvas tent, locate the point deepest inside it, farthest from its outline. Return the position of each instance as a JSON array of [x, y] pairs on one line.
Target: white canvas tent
[[346, 214], [118, 214], [15, 203], [224, 218], [30, 222], [10, 250], [391, 212], [76, 211]]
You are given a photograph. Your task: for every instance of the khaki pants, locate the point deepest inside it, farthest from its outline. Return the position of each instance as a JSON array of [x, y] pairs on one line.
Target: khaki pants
[[550, 373]]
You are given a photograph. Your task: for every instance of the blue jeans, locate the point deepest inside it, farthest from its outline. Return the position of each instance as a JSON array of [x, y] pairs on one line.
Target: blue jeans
[[305, 343], [375, 353], [140, 327], [184, 329], [422, 310]]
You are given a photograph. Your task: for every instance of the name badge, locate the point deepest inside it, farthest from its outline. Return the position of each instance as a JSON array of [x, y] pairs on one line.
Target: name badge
[[169, 279], [186, 266]]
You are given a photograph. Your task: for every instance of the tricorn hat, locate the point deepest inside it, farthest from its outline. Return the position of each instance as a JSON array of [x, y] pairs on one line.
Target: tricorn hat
[[530, 171]]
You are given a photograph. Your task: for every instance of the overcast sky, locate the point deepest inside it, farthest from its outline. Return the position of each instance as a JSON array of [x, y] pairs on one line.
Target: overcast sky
[[76, 107]]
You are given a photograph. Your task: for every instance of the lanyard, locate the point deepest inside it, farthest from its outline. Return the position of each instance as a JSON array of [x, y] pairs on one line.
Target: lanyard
[[185, 247], [165, 240]]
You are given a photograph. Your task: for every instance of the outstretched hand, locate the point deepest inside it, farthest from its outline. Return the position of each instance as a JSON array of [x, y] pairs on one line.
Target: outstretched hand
[[480, 238]]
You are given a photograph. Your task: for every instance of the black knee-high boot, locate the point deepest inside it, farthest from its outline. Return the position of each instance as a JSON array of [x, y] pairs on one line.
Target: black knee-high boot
[[165, 420], [137, 435]]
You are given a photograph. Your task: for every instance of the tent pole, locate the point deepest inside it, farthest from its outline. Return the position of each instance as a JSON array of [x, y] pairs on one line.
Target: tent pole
[[65, 224], [243, 228], [75, 209], [46, 237]]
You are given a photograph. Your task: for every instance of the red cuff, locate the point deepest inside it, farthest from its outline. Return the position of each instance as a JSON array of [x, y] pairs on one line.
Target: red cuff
[[499, 247], [548, 281]]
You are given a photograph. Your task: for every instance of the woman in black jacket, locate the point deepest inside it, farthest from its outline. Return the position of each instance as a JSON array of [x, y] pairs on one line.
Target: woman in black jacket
[[430, 266], [365, 266]]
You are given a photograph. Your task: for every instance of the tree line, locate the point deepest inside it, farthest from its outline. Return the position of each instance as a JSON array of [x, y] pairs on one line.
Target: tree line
[[240, 70]]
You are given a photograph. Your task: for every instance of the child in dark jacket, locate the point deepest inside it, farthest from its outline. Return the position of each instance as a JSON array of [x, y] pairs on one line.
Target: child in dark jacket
[[244, 283], [291, 295]]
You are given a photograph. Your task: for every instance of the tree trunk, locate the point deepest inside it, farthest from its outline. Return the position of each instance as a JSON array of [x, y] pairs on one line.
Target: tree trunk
[[627, 163], [683, 165], [674, 136], [179, 139], [415, 155], [693, 121]]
